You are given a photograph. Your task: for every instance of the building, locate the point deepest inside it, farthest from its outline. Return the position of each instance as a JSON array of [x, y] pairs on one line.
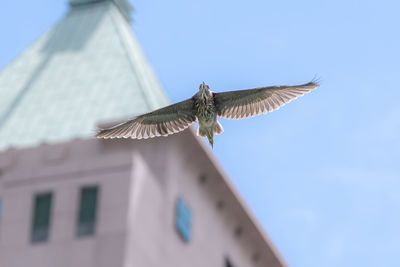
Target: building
[[67, 199]]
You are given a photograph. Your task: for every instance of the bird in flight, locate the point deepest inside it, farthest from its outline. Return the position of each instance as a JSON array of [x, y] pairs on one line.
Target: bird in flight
[[205, 106]]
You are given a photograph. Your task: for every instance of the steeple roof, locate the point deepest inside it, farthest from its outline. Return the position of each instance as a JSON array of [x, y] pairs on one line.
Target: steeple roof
[[123, 5], [86, 69]]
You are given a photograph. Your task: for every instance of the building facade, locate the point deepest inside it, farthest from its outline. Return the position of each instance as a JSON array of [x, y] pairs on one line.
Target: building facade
[[67, 199]]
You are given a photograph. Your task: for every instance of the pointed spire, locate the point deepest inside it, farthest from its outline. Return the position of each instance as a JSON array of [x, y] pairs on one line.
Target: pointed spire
[[88, 68], [123, 5]]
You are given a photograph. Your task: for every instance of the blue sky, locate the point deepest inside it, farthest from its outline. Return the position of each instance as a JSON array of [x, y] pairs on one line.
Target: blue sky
[[322, 174]]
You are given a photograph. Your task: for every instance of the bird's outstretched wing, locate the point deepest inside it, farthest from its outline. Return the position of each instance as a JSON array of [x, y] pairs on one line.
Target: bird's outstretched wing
[[161, 122], [250, 102]]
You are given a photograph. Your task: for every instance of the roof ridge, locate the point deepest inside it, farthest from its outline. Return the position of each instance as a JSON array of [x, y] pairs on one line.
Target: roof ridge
[[129, 59], [133, 60]]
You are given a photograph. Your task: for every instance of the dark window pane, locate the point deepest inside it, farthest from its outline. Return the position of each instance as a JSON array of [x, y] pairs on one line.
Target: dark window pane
[[87, 211], [228, 263], [183, 219], [1, 211], [41, 218]]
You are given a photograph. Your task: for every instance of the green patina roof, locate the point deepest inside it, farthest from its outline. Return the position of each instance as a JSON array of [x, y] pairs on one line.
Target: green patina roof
[[88, 68], [123, 5]]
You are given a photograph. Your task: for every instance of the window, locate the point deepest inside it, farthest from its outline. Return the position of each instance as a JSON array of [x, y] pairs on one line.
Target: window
[[41, 217], [183, 220], [228, 263], [1, 209], [87, 211]]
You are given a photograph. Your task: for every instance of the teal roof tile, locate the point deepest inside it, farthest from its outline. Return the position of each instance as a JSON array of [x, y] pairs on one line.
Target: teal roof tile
[[88, 68]]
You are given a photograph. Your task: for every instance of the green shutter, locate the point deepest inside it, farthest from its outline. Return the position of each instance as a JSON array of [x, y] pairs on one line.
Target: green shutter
[[41, 217], [87, 211]]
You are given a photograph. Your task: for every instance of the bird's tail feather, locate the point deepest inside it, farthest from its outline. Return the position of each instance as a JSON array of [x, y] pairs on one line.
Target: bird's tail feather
[[218, 129], [201, 131], [209, 132]]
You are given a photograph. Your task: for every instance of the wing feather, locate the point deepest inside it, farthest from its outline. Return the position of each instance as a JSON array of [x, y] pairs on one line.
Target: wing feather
[[250, 102], [161, 122]]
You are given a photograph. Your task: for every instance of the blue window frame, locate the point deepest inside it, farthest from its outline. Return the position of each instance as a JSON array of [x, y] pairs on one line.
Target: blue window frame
[[183, 219]]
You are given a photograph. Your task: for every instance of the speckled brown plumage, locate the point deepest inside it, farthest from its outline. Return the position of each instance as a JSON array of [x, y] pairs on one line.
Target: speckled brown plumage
[[205, 106]]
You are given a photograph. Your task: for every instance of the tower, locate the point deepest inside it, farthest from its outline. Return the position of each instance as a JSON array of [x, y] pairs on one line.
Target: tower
[[70, 200]]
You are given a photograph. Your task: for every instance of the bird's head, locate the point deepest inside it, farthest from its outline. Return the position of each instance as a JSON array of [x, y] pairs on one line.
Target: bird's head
[[204, 89]]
